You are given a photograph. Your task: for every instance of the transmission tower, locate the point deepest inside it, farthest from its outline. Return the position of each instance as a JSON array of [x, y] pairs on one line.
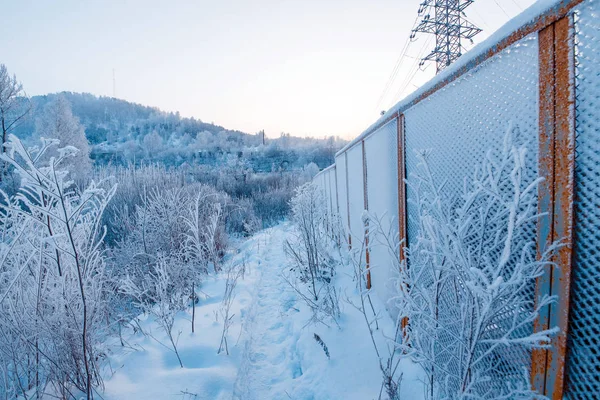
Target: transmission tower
[[446, 20]]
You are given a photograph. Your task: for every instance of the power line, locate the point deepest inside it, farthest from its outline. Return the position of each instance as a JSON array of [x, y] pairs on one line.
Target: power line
[[481, 18], [518, 5], [397, 65], [503, 10], [394, 73], [413, 69]]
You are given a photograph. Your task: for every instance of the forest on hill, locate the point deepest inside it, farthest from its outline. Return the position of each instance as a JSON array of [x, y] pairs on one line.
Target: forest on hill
[[120, 132]]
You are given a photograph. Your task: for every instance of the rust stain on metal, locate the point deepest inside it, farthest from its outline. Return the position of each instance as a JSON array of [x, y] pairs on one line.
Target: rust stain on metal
[[555, 196], [401, 187], [545, 231], [564, 155], [402, 235]]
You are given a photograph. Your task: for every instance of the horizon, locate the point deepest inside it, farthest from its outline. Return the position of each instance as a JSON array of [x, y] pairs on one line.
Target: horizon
[[232, 64]]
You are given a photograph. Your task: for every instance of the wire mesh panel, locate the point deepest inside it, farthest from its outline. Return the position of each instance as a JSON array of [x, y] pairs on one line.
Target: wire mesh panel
[[340, 171], [332, 191], [381, 150], [457, 127], [470, 116], [331, 211], [325, 186], [583, 355], [356, 195]]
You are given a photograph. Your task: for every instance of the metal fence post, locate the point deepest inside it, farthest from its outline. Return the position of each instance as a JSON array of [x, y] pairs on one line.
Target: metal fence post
[[557, 166], [545, 231], [402, 213], [366, 207]]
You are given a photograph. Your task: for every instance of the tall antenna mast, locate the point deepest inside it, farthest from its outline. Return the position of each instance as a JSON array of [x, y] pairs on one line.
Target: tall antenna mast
[[114, 85], [449, 25]]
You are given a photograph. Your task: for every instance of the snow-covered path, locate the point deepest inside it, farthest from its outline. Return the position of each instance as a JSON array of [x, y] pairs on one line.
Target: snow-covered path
[[273, 352], [270, 359]]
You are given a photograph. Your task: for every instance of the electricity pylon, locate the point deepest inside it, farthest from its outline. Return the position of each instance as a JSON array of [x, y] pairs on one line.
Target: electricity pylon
[[449, 26]]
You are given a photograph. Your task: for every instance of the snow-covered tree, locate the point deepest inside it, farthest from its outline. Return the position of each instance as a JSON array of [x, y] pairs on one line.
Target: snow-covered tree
[[153, 144], [58, 122], [14, 105], [309, 171]]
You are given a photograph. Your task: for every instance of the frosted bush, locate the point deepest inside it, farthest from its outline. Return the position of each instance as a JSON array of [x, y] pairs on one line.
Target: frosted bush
[[472, 269], [312, 271], [53, 296]]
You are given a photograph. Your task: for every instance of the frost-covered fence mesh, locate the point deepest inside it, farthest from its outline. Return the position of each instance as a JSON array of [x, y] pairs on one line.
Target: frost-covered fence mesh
[[381, 150], [458, 125], [326, 190], [458, 118], [356, 195], [332, 191], [341, 175], [583, 357], [330, 200]]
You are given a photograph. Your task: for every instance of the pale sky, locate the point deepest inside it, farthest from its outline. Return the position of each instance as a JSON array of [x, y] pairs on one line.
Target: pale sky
[[305, 67]]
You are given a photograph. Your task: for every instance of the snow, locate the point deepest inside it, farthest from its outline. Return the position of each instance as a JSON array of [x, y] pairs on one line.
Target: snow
[[273, 352]]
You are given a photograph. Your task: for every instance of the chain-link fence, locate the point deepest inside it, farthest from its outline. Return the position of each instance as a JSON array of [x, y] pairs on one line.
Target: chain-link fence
[[459, 126], [583, 358], [547, 93]]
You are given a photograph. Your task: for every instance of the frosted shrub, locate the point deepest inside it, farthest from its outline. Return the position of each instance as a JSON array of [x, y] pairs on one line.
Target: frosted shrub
[[157, 295], [233, 275], [312, 266], [468, 289], [205, 237], [52, 297], [172, 230], [176, 224]]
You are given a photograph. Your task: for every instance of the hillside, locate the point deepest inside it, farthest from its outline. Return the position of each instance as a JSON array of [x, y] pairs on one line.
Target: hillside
[[121, 133]]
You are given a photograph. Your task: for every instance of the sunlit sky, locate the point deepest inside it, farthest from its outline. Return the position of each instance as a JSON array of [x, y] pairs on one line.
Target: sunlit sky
[[305, 67]]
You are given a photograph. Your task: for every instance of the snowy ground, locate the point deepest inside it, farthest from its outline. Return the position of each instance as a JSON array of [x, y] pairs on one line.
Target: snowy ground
[[273, 353]]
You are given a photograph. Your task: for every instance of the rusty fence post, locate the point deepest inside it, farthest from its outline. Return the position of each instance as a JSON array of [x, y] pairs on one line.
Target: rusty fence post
[[402, 212], [545, 229], [557, 166]]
